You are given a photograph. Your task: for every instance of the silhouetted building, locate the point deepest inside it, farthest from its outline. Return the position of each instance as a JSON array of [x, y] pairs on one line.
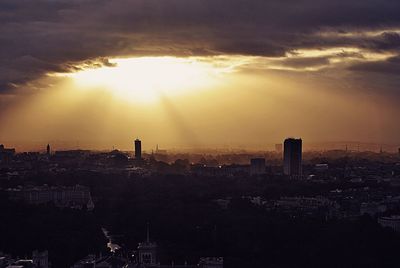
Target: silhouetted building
[[48, 149], [160, 151], [321, 167], [6, 154], [292, 157], [211, 262], [138, 149], [87, 262], [61, 196], [40, 259], [257, 166], [392, 222], [71, 154], [109, 261], [147, 251]]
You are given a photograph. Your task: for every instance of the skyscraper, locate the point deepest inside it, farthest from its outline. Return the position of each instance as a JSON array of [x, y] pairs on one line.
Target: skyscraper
[[138, 149], [48, 149], [292, 157]]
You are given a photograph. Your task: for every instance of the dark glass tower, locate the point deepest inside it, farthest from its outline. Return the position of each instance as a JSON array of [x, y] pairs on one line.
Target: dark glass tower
[[292, 157], [138, 149], [48, 150]]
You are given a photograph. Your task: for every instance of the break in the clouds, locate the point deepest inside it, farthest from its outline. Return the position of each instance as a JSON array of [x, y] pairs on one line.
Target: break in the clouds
[[45, 36]]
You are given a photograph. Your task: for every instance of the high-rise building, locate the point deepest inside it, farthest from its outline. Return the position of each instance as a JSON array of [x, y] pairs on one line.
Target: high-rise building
[[48, 149], [257, 166], [292, 157], [138, 149]]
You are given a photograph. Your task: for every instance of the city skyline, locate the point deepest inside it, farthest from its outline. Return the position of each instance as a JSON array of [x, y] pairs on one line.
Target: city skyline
[[149, 146], [199, 133]]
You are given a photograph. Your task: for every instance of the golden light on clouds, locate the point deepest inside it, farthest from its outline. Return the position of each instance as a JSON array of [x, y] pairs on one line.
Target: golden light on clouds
[[360, 33], [337, 51], [146, 79], [194, 102]]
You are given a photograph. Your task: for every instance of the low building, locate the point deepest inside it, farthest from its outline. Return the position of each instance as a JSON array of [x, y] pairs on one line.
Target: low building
[[392, 222], [372, 208], [111, 261], [303, 202], [211, 262], [38, 260], [87, 262], [321, 167], [6, 155], [306, 206], [77, 196], [224, 170], [257, 166]]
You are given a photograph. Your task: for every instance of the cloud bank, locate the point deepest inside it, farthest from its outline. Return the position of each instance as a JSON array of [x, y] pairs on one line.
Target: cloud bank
[[39, 37]]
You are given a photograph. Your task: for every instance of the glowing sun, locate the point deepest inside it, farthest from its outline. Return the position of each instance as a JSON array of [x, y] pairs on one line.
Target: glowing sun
[[146, 79]]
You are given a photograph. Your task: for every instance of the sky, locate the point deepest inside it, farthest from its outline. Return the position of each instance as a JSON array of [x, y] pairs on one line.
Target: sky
[[198, 73]]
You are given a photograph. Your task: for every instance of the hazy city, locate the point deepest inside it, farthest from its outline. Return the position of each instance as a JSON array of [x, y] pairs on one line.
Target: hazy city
[[82, 208], [199, 133]]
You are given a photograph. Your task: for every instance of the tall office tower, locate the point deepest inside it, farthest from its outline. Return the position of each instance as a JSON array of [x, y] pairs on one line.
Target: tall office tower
[[138, 149], [292, 157], [48, 149]]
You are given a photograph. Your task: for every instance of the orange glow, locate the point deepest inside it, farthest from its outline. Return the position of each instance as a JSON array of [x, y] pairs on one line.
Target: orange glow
[[146, 79]]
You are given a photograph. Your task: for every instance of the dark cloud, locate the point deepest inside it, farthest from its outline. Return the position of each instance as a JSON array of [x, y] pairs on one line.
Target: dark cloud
[[305, 62], [390, 66], [386, 41], [347, 54], [251, 48], [37, 37]]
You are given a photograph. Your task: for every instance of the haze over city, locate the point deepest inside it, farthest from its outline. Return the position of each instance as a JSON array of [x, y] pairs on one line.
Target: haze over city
[[199, 133], [198, 74]]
